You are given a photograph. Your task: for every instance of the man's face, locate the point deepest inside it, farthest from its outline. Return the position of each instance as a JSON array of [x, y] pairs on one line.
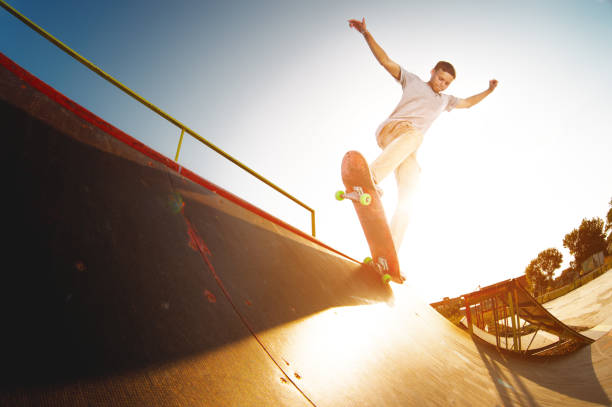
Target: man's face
[[440, 80]]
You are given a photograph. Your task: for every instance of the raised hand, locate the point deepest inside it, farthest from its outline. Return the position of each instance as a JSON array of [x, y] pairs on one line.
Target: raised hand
[[492, 84], [358, 25]]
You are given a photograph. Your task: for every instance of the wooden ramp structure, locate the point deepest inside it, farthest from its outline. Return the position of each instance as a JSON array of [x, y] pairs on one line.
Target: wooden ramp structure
[[515, 319], [130, 281]]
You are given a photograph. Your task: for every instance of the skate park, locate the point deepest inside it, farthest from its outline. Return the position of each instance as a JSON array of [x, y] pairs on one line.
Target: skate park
[[144, 284], [140, 282]]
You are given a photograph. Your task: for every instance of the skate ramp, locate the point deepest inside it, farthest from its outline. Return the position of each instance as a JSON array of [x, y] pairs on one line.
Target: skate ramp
[[135, 282], [516, 320], [588, 306]]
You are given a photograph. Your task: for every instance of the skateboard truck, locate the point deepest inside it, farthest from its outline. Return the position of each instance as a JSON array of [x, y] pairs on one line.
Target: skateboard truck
[[357, 195], [382, 263], [381, 266]]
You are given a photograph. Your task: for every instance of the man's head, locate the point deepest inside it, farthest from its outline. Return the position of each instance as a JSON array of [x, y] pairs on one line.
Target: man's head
[[441, 76]]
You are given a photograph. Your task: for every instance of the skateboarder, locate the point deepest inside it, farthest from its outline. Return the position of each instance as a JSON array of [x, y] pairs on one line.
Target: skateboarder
[[402, 133]]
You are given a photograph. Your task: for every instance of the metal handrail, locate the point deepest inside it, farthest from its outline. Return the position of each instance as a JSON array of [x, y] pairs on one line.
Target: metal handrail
[[154, 108]]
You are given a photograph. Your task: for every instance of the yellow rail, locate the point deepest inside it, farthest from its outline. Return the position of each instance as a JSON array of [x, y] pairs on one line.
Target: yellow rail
[[154, 108]]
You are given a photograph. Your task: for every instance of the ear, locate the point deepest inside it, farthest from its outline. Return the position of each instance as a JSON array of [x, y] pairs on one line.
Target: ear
[[433, 71]]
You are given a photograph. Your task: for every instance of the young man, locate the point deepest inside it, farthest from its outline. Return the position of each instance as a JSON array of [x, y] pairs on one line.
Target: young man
[[401, 134]]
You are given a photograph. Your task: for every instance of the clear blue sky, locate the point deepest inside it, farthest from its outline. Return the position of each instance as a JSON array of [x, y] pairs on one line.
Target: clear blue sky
[[287, 87]]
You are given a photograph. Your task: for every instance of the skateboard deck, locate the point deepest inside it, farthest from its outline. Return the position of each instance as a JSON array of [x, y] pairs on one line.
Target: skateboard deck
[[361, 191]]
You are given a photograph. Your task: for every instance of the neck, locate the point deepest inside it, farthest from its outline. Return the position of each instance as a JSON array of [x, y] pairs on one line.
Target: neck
[[432, 88]]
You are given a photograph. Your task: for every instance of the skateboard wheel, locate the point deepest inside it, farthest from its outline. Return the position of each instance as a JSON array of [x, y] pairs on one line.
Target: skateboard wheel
[[386, 278], [339, 195], [365, 199], [367, 260]]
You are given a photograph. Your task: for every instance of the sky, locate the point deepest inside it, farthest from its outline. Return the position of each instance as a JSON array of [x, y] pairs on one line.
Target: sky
[[287, 88]]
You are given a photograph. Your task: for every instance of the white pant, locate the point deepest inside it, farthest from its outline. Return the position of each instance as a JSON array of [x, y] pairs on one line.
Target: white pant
[[399, 142]]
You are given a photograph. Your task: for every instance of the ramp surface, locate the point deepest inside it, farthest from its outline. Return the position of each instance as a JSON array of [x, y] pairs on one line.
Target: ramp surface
[[588, 306], [138, 283]]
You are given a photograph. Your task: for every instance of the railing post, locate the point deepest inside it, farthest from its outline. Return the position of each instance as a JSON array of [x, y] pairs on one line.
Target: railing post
[[513, 316], [468, 315], [518, 316], [178, 150], [496, 322], [312, 219]]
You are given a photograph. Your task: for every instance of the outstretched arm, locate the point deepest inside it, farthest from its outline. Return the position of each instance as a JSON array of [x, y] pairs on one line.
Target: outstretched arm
[[379, 53], [472, 100]]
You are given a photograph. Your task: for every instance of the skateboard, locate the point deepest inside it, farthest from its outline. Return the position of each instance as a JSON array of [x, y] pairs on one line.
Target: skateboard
[[361, 191]]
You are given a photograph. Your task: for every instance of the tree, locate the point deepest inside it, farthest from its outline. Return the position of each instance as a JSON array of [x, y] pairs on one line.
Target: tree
[[609, 220], [585, 241], [540, 270], [609, 227], [535, 278], [567, 276]]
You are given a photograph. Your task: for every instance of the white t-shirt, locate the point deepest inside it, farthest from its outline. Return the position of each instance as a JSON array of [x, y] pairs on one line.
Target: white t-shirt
[[419, 104]]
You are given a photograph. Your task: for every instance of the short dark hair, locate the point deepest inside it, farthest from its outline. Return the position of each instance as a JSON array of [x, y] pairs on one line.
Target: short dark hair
[[446, 67]]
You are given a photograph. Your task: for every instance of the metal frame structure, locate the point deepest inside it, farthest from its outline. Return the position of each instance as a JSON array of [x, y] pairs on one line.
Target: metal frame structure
[[508, 300]]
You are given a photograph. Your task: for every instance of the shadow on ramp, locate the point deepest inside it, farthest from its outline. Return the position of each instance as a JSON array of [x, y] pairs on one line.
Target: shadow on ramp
[[570, 377]]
